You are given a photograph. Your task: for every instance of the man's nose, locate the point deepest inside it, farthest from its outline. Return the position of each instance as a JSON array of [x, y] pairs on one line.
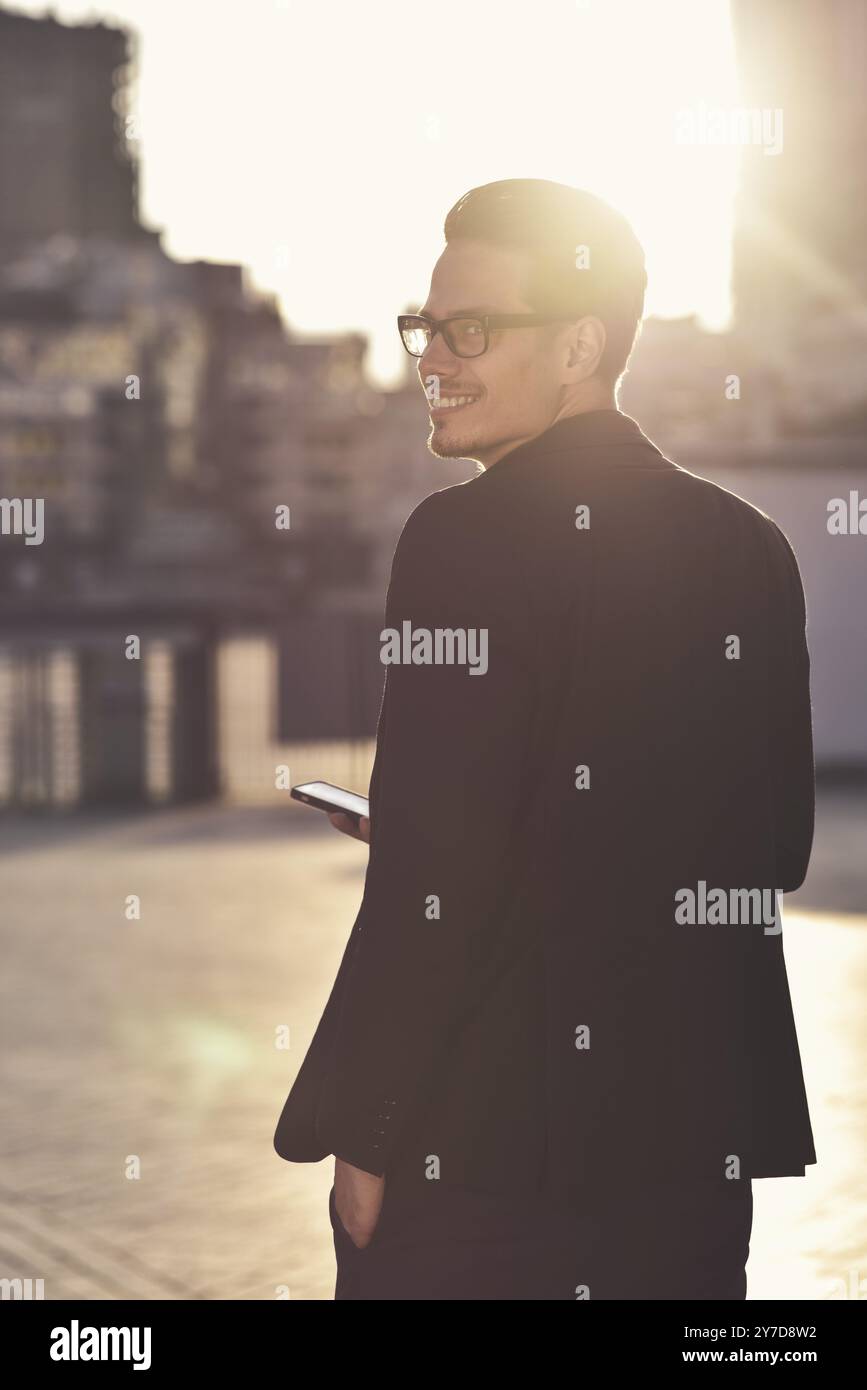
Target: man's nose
[[437, 358]]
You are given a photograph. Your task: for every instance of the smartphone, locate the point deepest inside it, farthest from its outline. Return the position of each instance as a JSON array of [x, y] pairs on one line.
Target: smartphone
[[326, 797]]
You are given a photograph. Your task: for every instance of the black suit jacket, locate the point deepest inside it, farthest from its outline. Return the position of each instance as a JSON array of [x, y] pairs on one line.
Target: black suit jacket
[[556, 1021]]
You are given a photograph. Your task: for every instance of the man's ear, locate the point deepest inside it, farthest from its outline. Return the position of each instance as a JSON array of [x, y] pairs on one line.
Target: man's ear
[[587, 340]]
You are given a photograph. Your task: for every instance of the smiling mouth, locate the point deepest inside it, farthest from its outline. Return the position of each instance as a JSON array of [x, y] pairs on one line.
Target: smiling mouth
[[449, 404]]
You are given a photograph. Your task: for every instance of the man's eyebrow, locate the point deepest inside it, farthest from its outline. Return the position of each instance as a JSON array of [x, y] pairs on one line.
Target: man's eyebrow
[[472, 311]]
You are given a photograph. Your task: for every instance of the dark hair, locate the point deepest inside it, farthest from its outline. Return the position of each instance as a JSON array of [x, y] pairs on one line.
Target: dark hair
[[551, 221]]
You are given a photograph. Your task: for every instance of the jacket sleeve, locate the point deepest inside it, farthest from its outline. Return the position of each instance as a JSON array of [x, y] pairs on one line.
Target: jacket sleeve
[[451, 745], [791, 731]]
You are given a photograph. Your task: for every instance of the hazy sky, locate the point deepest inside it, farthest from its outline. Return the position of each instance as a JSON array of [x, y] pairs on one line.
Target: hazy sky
[[322, 143]]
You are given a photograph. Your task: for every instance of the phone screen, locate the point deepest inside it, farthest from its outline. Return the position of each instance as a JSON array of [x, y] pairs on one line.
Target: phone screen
[[337, 797]]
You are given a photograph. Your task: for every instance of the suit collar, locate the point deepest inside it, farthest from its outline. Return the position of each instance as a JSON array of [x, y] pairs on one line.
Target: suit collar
[[592, 428]]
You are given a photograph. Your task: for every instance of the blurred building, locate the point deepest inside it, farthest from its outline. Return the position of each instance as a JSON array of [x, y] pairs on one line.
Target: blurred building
[[204, 471], [799, 276], [64, 158], [802, 213]]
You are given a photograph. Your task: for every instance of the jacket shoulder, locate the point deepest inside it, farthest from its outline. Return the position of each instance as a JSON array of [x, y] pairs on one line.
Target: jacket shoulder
[[737, 509]]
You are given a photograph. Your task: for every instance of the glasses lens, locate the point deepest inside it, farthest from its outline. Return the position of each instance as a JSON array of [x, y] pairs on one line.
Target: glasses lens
[[415, 334], [465, 337]]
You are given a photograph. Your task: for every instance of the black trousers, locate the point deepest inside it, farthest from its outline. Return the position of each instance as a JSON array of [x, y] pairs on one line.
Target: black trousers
[[677, 1239]]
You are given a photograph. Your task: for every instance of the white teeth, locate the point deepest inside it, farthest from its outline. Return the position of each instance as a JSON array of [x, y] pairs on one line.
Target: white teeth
[[449, 401]]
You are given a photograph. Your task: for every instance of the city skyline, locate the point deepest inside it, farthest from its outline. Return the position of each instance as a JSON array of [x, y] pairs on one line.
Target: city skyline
[[318, 235]]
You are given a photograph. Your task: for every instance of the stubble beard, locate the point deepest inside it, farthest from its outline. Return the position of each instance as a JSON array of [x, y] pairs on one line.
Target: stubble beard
[[443, 445]]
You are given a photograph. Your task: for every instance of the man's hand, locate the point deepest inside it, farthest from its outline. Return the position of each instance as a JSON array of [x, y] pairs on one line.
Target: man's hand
[[358, 1200], [341, 821]]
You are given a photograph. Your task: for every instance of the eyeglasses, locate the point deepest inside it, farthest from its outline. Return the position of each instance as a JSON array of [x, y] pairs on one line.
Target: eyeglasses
[[465, 337]]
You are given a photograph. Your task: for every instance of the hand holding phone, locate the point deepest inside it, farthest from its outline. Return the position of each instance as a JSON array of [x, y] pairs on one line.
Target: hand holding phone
[[348, 811], [348, 825]]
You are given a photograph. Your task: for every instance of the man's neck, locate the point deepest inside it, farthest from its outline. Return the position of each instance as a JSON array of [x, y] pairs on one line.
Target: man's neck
[[590, 401]]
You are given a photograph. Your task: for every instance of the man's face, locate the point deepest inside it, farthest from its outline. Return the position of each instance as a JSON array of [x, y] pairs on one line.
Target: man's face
[[514, 386]]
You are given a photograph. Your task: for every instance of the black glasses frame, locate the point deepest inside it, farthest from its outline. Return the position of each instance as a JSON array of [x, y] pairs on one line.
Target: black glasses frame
[[489, 322]]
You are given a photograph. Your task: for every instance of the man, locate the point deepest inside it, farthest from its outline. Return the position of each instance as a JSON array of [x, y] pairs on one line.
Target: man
[[560, 1044]]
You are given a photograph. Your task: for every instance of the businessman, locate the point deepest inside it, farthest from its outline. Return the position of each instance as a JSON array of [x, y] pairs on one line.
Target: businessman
[[560, 1045]]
